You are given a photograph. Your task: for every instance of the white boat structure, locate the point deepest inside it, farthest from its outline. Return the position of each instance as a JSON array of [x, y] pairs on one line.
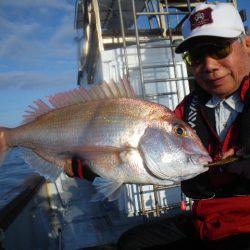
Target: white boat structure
[[135, 38]]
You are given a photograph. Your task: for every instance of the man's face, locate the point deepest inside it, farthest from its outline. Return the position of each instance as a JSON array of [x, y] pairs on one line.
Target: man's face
[[222, 77]]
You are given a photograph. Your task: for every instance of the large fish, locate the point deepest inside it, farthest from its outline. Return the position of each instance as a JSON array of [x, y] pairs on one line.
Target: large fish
[[126, 139]]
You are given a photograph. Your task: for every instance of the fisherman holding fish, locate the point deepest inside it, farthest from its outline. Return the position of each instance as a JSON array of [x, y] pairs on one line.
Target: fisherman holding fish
[[111, 137], [217, 50]]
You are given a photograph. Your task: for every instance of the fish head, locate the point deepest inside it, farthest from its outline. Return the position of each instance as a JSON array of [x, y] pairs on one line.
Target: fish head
[[173, 151]]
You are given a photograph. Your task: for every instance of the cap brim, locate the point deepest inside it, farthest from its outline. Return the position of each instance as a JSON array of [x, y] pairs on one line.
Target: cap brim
[[213, 32]]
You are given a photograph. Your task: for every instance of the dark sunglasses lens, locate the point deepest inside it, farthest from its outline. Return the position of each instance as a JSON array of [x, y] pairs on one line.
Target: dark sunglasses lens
[[216, 51], [220, 52], [192, 59], [186, 58]]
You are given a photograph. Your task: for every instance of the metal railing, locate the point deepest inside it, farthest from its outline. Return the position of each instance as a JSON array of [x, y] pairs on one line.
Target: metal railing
[[166, 18], [163, 15]]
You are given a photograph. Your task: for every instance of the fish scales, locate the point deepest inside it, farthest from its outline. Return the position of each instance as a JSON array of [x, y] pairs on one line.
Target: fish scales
[[124, 139], [85, 123]]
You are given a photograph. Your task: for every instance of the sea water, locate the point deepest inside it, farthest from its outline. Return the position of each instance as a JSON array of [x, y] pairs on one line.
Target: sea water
[[13, 173]]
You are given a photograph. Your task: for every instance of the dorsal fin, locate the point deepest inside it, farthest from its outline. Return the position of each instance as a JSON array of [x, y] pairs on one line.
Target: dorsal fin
[[101, 91]]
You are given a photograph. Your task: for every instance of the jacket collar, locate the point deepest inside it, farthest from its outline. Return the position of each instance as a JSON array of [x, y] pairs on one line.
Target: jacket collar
[[234, 102], [244, 93]]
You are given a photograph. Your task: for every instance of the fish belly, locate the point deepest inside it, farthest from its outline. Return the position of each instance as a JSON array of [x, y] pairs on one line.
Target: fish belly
[[125, 167]]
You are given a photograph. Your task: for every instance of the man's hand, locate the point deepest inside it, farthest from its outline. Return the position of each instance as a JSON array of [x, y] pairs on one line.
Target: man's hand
[[240, 167], [68, 167], [77, 167], [229, 153]]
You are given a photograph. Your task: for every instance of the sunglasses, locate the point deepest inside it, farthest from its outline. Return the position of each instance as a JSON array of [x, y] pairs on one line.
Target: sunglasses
[[216, 50]]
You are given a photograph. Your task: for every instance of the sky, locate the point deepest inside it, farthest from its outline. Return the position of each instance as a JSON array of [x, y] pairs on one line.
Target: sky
[[38, 53]]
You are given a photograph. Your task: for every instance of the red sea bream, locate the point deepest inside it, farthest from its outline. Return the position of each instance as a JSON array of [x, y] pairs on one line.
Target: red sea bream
[[126, 139]]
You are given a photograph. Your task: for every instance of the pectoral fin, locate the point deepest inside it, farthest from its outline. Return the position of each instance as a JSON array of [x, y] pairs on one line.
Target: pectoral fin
[[107, 189]]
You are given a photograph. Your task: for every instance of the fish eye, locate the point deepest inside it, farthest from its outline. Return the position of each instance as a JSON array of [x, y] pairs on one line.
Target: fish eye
[[180, 131]]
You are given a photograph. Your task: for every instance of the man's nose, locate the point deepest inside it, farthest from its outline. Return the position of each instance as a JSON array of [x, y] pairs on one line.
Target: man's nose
[[210, 64]]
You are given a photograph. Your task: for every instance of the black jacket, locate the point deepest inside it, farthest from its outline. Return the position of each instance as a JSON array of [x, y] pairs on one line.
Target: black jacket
[[231, 179]]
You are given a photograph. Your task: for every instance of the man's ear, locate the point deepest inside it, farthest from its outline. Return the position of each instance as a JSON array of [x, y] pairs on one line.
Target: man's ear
[[247, 44]]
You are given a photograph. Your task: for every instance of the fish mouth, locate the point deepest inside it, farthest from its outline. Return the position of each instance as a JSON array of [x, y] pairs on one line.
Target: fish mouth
[[200, 159]]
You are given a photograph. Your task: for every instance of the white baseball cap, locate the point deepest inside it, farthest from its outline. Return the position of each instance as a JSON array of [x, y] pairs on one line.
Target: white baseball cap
[[214, 19]]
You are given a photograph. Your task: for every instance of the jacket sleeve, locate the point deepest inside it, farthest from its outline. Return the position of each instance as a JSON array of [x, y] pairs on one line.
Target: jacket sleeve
[[81, 169], [180, 109], [198, 187], [240, 168]]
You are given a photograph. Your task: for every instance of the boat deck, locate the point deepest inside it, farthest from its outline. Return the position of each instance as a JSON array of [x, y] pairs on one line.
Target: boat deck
[[60, 216], [89, 224]]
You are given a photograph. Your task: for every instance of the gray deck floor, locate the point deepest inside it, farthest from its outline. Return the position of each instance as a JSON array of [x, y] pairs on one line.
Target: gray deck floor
[[88, 224]]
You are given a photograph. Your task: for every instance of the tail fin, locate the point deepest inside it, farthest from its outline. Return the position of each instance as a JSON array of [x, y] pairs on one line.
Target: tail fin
[[3, 144]]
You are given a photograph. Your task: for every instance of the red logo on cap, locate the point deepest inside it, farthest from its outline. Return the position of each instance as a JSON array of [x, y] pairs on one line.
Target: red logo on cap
[[200, 18]]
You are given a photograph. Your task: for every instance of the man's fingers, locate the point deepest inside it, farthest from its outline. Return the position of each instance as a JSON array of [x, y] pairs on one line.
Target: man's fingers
[[68, 167], [227, 154]]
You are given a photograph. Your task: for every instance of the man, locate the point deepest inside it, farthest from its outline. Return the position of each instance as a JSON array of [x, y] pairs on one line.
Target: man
[[218, 52]]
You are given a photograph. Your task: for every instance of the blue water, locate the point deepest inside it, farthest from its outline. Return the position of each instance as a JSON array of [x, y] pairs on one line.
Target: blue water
[[13, 172]]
